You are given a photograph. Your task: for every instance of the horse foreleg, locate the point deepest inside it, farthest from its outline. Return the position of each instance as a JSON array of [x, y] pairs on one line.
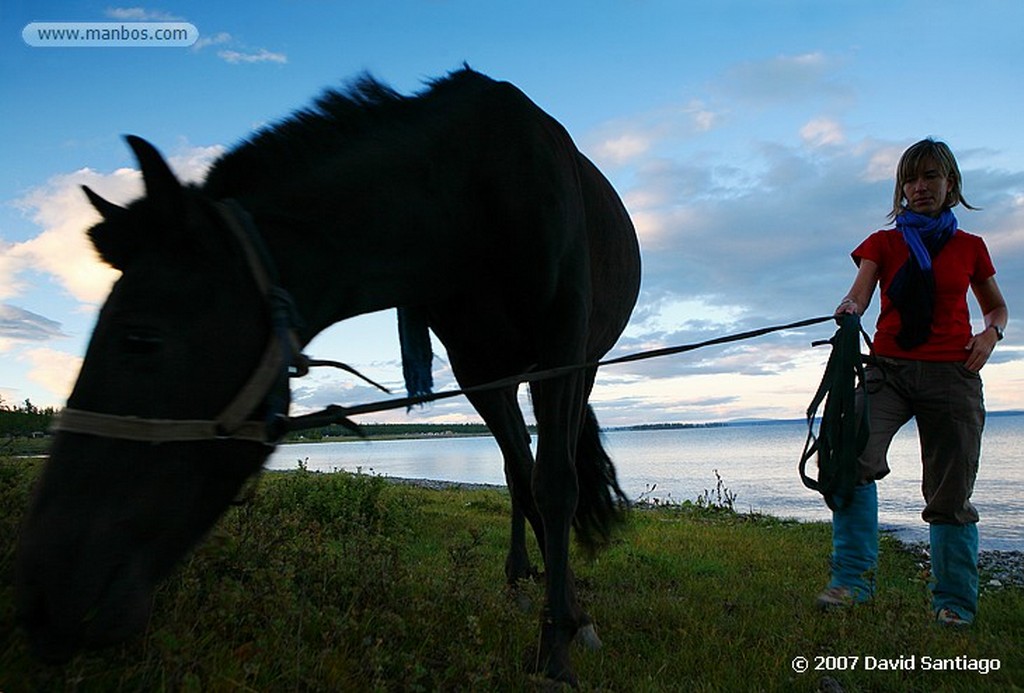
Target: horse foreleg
[[517, 562], [556, 491], [500, 410], [518, 475]]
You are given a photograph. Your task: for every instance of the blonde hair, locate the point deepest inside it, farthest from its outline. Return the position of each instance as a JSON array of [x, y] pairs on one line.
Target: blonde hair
[[912, 161]]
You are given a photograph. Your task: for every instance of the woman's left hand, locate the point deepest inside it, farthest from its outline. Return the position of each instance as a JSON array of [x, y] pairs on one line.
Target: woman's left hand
[[980, 347]]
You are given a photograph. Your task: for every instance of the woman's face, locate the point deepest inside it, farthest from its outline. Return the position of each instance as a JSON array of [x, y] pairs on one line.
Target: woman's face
[[927, 191]]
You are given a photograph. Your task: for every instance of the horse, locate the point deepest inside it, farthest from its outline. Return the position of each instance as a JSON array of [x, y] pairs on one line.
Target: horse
[[465, 206]]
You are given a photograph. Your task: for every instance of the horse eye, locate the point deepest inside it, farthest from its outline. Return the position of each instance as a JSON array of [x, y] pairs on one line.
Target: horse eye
[[142, 342]]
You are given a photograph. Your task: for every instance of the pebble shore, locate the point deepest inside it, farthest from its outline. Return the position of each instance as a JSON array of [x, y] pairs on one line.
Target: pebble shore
[[1001, 568], [998, 569]]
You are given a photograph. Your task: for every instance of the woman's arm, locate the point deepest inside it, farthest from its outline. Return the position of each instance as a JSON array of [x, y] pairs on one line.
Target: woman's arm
[[993, 307], [859, 296]]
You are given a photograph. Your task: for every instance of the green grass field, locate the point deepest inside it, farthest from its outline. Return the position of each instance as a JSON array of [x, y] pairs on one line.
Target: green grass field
[[335, 582]]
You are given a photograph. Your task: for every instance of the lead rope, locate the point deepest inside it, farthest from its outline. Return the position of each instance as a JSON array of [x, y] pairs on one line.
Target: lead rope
[[843, 430]]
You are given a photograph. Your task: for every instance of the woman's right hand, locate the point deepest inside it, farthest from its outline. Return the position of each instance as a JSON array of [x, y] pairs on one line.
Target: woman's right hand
[[848, 305]]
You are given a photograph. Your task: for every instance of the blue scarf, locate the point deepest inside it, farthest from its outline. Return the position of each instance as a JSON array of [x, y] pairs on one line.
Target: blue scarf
[[913, 288]]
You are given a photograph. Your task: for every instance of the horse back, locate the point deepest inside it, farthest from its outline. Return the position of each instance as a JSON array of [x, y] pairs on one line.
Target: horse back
[[554, 223]]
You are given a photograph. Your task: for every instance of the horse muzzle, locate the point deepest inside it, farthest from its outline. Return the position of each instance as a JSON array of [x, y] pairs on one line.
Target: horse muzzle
[[61, 618], [77, 588]]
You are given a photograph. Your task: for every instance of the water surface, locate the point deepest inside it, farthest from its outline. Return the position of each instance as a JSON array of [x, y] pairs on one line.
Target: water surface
[[758, 463]]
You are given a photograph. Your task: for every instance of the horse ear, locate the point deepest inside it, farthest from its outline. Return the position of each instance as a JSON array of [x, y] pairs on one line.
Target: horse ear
[[108, 237], [116, 242], [108, 210], [114, 246], [162, 187]]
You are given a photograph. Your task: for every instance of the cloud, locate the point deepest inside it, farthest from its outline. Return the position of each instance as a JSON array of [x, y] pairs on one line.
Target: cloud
[[261, 55], [140, 14], [62, 250], [53, 370], [881, 164], [60, 209], [235, 52], [20, 324], [821, 132], [190, 163], [628, 140], [711, 228], [10, 268], [783, 78], [626, 147], [207, 41]]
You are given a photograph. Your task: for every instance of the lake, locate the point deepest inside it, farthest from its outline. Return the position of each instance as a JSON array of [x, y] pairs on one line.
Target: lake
[[757, 462]]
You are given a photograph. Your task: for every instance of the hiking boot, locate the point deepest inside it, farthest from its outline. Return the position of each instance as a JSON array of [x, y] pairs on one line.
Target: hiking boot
[[951, 619], [835, 598]]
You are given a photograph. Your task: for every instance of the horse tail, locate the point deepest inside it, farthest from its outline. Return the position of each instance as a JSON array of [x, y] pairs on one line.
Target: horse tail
[[602, 504], [417, 354]]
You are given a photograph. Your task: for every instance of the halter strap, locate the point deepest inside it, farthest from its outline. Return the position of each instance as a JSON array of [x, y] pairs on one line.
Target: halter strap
[[154, 430]]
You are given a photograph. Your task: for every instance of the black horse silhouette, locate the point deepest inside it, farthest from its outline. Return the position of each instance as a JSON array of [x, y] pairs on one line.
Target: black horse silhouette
[[466, 206]]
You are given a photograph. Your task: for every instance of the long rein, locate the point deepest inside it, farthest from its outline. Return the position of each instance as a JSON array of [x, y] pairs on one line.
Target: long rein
[[338, 414]]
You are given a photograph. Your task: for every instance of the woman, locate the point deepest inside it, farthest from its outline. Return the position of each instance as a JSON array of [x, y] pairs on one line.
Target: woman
[[926, 367]]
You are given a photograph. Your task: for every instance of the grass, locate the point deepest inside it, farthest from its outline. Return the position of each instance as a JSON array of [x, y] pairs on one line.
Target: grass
[[338, 582]]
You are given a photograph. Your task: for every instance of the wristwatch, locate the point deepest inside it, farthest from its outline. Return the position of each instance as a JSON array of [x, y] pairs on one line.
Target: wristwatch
[[999, 332]]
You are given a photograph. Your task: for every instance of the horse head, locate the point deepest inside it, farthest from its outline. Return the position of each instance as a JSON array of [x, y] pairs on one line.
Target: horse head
[[180, 335]]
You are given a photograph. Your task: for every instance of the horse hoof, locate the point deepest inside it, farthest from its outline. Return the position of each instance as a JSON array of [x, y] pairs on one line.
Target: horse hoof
[[523, 602], [546, 684], [519, 594], [587, 637]]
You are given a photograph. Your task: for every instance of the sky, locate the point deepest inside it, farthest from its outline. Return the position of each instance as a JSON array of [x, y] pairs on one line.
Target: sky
[[753, 142]]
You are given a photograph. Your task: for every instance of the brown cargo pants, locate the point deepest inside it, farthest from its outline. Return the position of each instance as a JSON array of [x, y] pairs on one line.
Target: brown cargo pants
[[947, 402]]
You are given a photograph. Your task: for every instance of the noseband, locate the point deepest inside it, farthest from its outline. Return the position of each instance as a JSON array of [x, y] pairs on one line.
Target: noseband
[[268, 384]]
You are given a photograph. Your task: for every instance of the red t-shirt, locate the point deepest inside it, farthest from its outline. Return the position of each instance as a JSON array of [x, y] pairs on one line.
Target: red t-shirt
[[963, 261]]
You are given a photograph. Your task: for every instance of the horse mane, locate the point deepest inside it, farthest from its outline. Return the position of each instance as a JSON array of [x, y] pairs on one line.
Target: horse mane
[[335, 120]]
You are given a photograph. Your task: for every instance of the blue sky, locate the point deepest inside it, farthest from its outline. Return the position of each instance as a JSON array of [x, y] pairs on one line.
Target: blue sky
[[753, 141]]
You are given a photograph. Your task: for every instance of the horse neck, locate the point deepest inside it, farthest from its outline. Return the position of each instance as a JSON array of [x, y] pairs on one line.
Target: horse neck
[[337, 264]]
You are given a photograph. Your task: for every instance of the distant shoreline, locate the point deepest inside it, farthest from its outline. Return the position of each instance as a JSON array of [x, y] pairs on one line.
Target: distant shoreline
[[38, 444], [473, 430]]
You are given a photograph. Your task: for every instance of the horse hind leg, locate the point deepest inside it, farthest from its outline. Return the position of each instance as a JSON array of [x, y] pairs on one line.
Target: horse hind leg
[[586, 493], [558, 406]]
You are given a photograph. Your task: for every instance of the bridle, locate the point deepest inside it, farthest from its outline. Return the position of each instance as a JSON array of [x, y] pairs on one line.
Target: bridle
[[266, 388]]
